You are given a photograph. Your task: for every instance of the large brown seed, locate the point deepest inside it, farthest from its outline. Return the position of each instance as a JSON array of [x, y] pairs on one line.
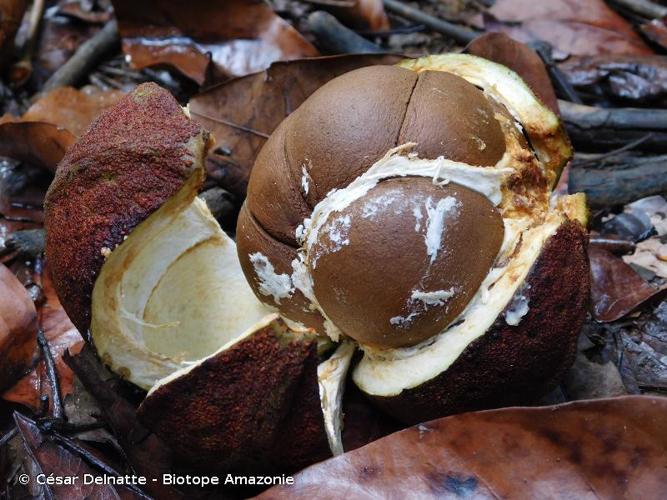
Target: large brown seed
[[346, 126], [399, 264], [447, 116]]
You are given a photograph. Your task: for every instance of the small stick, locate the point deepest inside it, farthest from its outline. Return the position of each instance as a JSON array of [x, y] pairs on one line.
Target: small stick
[[334, 38], [7, 437], [58, 411], [593, 159], [632, 179], [21, 71], [619, 118], [85, 57], [644, 8], [458, 33], [614, 246]]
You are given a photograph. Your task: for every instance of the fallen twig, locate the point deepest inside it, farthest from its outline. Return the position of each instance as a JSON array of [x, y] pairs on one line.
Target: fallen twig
[[334, 38], [8, 436], [58, 412], [617, 247], [597, 158], [458, 33], [593, 128], [629, 178], [644, 8], [85, 57], [21, 71]]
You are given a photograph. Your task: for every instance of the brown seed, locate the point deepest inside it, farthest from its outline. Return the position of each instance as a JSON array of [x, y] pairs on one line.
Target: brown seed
[[399, 264]]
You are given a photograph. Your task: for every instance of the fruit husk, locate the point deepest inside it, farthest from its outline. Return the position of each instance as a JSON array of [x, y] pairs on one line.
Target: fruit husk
[[513, 364], [252, 407], [132, 159]]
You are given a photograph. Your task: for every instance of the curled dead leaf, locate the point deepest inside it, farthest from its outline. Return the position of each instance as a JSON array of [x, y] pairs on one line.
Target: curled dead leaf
[[570, 26], [61, 336], [238, 36], [37, 143], [18, 328], [607, 448], [51, 125], [616, 289], [243, 112], [72, 109]]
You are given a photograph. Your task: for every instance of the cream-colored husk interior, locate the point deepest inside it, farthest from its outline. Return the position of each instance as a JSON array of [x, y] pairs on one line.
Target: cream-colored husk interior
[[171, 294]]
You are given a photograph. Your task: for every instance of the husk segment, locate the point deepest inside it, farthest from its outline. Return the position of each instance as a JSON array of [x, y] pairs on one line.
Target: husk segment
[[233, 410]]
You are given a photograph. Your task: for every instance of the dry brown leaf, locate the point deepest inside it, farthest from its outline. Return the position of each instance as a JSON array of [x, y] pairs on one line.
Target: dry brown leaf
[[606, 448], [70, 108], [616, 289], [37, 143], [18, 329], [238, 36], [572, 27], [50, 126], [61, 335], [243, 112], [500, 48]]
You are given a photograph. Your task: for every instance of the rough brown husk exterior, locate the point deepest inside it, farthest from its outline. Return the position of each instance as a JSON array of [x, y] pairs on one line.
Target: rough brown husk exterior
[[254, 407], [133, 158], [512, 365]]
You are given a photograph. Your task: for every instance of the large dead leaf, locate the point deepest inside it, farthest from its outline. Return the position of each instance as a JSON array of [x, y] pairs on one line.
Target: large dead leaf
[[61, 335], [37, 143], [72, 109], [238, 36], [43, 454], [570, 26], [18, 328], [607, 448], [243, 112], [616, 289], [51, 125]]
